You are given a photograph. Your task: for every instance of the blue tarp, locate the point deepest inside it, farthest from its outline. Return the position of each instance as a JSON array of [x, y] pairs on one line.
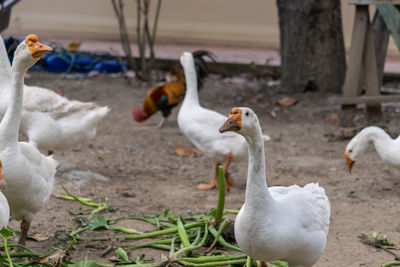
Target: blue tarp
[[62, 60]]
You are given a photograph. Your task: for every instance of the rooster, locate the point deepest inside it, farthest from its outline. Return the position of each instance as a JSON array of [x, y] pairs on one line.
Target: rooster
[[172, 92]]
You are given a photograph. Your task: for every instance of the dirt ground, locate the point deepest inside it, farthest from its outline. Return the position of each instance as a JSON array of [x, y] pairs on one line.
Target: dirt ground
[[142, 157]]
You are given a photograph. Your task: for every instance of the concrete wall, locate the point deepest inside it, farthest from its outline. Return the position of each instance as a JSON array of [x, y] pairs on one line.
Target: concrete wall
[[250, 23]]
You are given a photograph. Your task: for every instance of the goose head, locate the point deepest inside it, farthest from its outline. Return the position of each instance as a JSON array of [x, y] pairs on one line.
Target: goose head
[[242, 121], [354, 148], [3, 183], [30, 51]]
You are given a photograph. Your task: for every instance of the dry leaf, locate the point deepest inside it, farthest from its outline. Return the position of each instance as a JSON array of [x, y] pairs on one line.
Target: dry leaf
[[287, 101], [58, 256], [334, 119], [184, 151], [124, 188], [115, 259], [73, 46], [39, 237]]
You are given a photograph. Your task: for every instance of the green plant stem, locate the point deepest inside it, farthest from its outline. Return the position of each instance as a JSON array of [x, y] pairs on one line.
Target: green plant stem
[[155, 264], [22, 246], [231, 211], [148, 244], [392, 263], [161, 247], [217, 263], [187, 250], [7, 253], [221, 194], [249, 262], [82, 201], [70, 245], [204, 259], [85, 199], [100, 208], [156, 233], [172, 250], [222, 227], [79, 230], [222, 241], [126, 230], [197, 238]]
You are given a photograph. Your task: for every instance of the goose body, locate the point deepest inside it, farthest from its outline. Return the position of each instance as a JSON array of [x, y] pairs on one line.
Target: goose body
[[4, 211], [277, 223], [50, 120], [28, 173], [4, 208], [200, 126], [387, 148]]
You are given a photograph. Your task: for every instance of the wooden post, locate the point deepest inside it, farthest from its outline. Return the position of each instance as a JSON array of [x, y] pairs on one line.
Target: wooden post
[[374, 112], [352, 83]]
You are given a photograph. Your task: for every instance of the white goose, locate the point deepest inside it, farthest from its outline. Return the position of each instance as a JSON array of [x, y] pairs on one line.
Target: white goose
[[201, 125], [277, 223], [51, 121], [4, 208], [388, 149], [28, 173]]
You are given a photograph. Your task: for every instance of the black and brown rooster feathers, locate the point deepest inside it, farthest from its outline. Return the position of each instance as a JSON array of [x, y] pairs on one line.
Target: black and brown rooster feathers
[[165, 97]]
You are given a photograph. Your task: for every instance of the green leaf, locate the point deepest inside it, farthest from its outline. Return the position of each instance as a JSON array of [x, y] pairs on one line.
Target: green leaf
[[279, 263], [6, 233], [98, 223], [122, 254]]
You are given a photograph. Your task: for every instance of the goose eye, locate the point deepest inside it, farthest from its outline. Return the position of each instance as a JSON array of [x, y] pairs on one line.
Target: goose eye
[[247, 113], [351, 150]]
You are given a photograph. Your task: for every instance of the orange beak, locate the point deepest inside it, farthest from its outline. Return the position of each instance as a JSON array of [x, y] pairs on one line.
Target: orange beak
[[40, 49], [3, 183], [349, 162], [37, 49]]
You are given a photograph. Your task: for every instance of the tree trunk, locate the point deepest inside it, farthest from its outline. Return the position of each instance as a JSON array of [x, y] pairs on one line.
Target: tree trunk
[[312, 48]]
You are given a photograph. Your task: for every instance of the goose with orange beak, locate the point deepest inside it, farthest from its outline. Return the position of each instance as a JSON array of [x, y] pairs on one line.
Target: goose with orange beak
[[387, 148], [50, 121], [28, 173], [200, 125], [288, 223]]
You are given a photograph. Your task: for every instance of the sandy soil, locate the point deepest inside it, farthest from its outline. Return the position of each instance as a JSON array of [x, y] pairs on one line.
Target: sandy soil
[[143, 157]]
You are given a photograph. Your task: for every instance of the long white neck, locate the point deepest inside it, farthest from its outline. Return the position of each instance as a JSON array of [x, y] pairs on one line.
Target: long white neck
[[5, 67], [9, 125], [191, 95], [257, 194], [381, 140]]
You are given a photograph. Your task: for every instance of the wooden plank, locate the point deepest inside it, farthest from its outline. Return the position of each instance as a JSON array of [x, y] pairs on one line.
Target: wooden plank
[[373, 2], [353, 71], [392, 19], [369, 100]]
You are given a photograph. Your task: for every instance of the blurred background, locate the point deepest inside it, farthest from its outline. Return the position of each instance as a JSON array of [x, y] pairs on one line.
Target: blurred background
[[228, 23]]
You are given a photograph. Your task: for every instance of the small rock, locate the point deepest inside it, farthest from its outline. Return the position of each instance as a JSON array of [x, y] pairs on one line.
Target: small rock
[[130, 148], [200, 195], [127, 194]]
